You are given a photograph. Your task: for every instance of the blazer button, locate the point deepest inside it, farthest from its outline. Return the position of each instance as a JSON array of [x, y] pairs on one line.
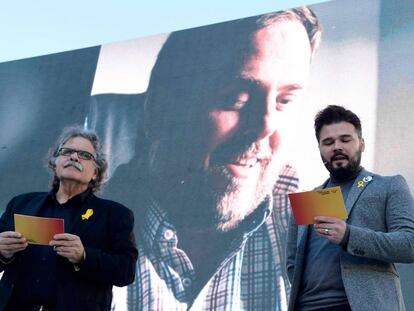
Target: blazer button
[[168, 234], [187, 282], [358, 251]]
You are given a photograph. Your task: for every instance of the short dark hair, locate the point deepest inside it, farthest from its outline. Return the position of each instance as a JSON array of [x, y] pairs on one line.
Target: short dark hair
[[199, 49], [101, 163], [335, 114]]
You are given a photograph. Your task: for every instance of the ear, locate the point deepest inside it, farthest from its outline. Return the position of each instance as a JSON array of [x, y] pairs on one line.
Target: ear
[[362, 144], [55, 163], [95, 175], [319, 145]]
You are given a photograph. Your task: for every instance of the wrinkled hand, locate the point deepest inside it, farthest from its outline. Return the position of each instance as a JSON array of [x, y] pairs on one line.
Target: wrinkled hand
[[11, 242], [332, 229], [69, 246]]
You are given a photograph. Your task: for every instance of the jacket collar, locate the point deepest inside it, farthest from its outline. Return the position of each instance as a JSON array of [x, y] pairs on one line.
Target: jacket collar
[[361, 182]]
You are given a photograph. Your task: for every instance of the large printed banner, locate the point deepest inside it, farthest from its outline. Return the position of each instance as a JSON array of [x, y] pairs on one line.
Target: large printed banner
[[201, 125]]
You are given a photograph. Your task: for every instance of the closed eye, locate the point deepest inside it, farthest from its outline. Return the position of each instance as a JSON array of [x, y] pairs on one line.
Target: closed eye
[[284, 100], [236, 101], [327, 142]]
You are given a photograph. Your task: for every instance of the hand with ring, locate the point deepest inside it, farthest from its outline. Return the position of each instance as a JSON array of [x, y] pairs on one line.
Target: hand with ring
[[332, 229]]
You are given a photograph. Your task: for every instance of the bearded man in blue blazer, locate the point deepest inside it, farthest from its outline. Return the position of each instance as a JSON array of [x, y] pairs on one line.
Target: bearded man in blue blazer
[[349, 265], [78, 268]]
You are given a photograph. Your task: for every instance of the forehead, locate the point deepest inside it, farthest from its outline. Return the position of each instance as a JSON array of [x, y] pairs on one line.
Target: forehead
[[277, 57], [280, 51], [337, 129], [274, 57], [79, 143]]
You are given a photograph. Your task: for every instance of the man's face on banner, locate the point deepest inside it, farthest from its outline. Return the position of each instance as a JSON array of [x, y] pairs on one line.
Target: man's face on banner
[[237, 135]]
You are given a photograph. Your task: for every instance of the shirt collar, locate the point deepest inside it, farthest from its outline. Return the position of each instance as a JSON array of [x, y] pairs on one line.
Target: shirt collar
[[352, 177], [157, 228], [255, 220], [77, 199], [155, 222]]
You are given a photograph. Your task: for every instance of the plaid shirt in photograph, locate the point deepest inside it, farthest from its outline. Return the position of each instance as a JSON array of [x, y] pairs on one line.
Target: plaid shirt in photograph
[[251, 277]]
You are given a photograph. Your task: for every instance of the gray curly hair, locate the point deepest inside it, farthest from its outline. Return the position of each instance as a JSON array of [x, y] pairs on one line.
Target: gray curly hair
[[101, 163]]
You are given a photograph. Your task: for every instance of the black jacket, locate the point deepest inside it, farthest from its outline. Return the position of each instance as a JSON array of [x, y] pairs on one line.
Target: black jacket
[[110, 248]]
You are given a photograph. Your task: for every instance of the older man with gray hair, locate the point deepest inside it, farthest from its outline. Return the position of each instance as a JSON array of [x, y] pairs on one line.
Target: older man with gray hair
[[78, 268]]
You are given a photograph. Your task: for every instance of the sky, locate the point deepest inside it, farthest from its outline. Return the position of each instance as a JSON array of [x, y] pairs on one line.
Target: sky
[[31, 28]]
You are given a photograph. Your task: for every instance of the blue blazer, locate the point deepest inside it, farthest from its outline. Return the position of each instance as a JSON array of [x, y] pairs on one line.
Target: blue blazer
[[110, 248], [381, 223]]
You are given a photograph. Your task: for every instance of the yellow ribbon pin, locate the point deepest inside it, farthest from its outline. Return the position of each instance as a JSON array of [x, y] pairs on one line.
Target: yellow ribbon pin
[[360, 184], [87, 214]]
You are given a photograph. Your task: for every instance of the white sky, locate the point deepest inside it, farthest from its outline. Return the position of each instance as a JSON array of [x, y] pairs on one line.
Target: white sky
[[32, 28]]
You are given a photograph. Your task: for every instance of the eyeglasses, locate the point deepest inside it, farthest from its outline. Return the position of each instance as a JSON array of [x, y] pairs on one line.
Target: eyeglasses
[[82, 154]]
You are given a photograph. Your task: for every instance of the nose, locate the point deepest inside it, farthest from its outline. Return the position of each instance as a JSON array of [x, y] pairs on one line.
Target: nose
[[338, 145], [74, 156], [261, 120]]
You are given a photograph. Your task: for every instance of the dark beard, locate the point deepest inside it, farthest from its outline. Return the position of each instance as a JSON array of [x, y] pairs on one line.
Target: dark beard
[[345, 173]]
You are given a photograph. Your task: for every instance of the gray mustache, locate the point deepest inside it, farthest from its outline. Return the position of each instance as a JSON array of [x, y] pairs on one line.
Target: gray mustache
[[76, 165]]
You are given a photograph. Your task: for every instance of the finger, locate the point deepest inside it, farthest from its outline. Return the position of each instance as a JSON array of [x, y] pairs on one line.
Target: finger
[[11, 234], [65, 243], [320, 232], [322, 226], [72, 255], [63, 252], [68, 254], [67, 249], [8, 241], [58, 243], [13, 245], [12, 250], [64, 237], [325, 219], [5, 241], [21, 248], [324, 231]]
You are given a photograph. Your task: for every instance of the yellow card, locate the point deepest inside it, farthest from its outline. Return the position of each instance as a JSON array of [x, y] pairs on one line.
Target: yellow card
[[325, 202], [38, 230]]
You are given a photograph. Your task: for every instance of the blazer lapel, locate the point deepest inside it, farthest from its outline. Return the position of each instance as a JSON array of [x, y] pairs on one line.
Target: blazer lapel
[[86, 218], [36, 209], [302, 235], [359, 185], [323, 186]]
